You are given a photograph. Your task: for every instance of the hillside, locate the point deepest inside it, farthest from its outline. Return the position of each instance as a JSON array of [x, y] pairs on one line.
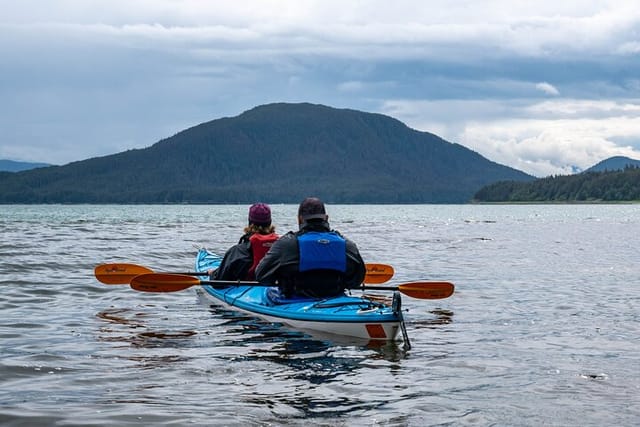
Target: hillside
[[608, 186], [614, 164], [275, 153], [13, 166]]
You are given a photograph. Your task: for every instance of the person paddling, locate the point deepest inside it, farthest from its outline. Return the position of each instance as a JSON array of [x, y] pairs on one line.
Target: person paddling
[[241, 260], [315, 261]]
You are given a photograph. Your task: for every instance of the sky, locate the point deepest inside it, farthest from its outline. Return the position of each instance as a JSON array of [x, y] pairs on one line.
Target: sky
[[541, 86]]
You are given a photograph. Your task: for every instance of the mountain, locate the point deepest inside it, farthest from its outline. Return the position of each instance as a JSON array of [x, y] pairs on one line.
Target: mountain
[[13, 166], [614, 164], [607, 186], [278, 153]]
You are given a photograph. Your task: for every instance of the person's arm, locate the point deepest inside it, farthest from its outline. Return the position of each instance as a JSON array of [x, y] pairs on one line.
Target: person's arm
[[279, 256], [356, 269], [236, 263]]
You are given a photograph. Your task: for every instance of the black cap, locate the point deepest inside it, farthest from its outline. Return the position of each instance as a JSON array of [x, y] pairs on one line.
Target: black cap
[[312, 208]]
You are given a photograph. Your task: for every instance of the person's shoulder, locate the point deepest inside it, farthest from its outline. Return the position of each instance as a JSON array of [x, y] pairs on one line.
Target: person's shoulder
[[349, 242], [286, 238], [289, 235], [241, 247], [340, 234], [245, 238]]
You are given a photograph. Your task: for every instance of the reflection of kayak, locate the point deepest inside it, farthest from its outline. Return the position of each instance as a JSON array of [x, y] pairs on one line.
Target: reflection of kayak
[[345, 315]]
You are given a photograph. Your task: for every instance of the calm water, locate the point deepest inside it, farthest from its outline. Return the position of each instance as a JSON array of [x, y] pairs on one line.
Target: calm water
[[544, 327]]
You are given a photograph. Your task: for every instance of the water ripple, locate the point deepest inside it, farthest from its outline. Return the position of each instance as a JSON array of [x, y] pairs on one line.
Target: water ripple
[[542, 329]]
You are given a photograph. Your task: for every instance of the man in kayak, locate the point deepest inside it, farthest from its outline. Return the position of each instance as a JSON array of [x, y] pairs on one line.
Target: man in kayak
[[315, 261], [241, 260]]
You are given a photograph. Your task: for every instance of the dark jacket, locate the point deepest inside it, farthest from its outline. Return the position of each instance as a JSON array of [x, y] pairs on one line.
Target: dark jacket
[[236, 262], [280, 267]]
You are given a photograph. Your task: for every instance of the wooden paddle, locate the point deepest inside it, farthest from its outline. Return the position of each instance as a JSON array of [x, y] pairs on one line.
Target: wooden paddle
[[158, 282], [378, 273], [419, 290], [122, 274]]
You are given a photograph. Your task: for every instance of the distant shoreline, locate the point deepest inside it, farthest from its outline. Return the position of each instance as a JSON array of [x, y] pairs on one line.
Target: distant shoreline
[[551, 202]]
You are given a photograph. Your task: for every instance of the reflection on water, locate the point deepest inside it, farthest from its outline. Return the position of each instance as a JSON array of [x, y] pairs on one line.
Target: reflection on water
[[254, 330], [118, 315], [301, 373], [126, 325], [315, 371], [441, 317]]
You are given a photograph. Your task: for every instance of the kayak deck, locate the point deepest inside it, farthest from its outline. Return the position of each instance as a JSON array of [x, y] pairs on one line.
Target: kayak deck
[[345, 315]]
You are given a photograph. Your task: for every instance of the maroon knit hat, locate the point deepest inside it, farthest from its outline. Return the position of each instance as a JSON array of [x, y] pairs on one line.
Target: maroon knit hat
[[260, 214]]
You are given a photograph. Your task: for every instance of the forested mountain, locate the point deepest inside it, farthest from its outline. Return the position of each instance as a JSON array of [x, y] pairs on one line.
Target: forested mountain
[[274, 153], [613, 164], [608, 186], [13, 166]]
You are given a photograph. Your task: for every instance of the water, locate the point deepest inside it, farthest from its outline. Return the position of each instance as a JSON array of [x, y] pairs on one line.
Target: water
[[544, 327]]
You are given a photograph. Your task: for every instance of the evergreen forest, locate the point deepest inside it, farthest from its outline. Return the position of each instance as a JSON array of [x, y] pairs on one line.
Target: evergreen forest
[[606, 186]]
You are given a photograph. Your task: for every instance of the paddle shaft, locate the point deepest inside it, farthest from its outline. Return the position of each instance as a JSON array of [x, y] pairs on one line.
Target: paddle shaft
[[123, 273], [158, 282]]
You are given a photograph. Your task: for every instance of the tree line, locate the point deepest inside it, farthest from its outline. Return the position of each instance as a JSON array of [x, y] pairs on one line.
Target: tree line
[[605, 186]]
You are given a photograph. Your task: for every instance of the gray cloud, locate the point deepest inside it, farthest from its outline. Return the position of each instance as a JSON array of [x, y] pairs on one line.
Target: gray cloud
[[81, 79]]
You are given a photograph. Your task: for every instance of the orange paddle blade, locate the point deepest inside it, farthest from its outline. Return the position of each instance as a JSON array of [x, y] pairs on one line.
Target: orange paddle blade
[[427, 290], [158, 282], [378, 273], [119, 274]]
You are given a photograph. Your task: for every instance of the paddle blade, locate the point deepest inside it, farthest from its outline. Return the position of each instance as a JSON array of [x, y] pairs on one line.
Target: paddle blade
[[427, 290], [119, 274], [378, 273], [158, 282]]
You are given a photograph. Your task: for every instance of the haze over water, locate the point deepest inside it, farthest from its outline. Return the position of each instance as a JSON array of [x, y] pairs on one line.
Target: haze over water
[[543, 328]]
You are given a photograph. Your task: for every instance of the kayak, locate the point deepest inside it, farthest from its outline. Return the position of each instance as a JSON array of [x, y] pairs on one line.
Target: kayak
[[343, 315]]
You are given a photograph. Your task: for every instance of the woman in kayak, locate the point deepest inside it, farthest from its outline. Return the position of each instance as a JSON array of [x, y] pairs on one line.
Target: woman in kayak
[[241, 260], [315, 261]]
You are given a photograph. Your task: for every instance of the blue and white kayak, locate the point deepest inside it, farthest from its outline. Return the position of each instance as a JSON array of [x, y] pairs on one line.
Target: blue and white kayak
[[344, 315]]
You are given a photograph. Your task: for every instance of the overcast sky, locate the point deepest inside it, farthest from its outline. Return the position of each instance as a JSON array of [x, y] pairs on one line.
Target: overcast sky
[[540, 86]]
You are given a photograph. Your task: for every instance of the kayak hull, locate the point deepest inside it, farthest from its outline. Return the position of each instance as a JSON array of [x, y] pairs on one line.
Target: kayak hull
[[344, 315]]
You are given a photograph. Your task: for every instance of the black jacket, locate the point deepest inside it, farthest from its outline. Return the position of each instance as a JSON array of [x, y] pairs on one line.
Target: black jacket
[[236, 262], [280, 267]]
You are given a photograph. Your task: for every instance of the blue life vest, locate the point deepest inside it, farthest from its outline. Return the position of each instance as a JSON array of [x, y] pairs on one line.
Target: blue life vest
[[322, 250]]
